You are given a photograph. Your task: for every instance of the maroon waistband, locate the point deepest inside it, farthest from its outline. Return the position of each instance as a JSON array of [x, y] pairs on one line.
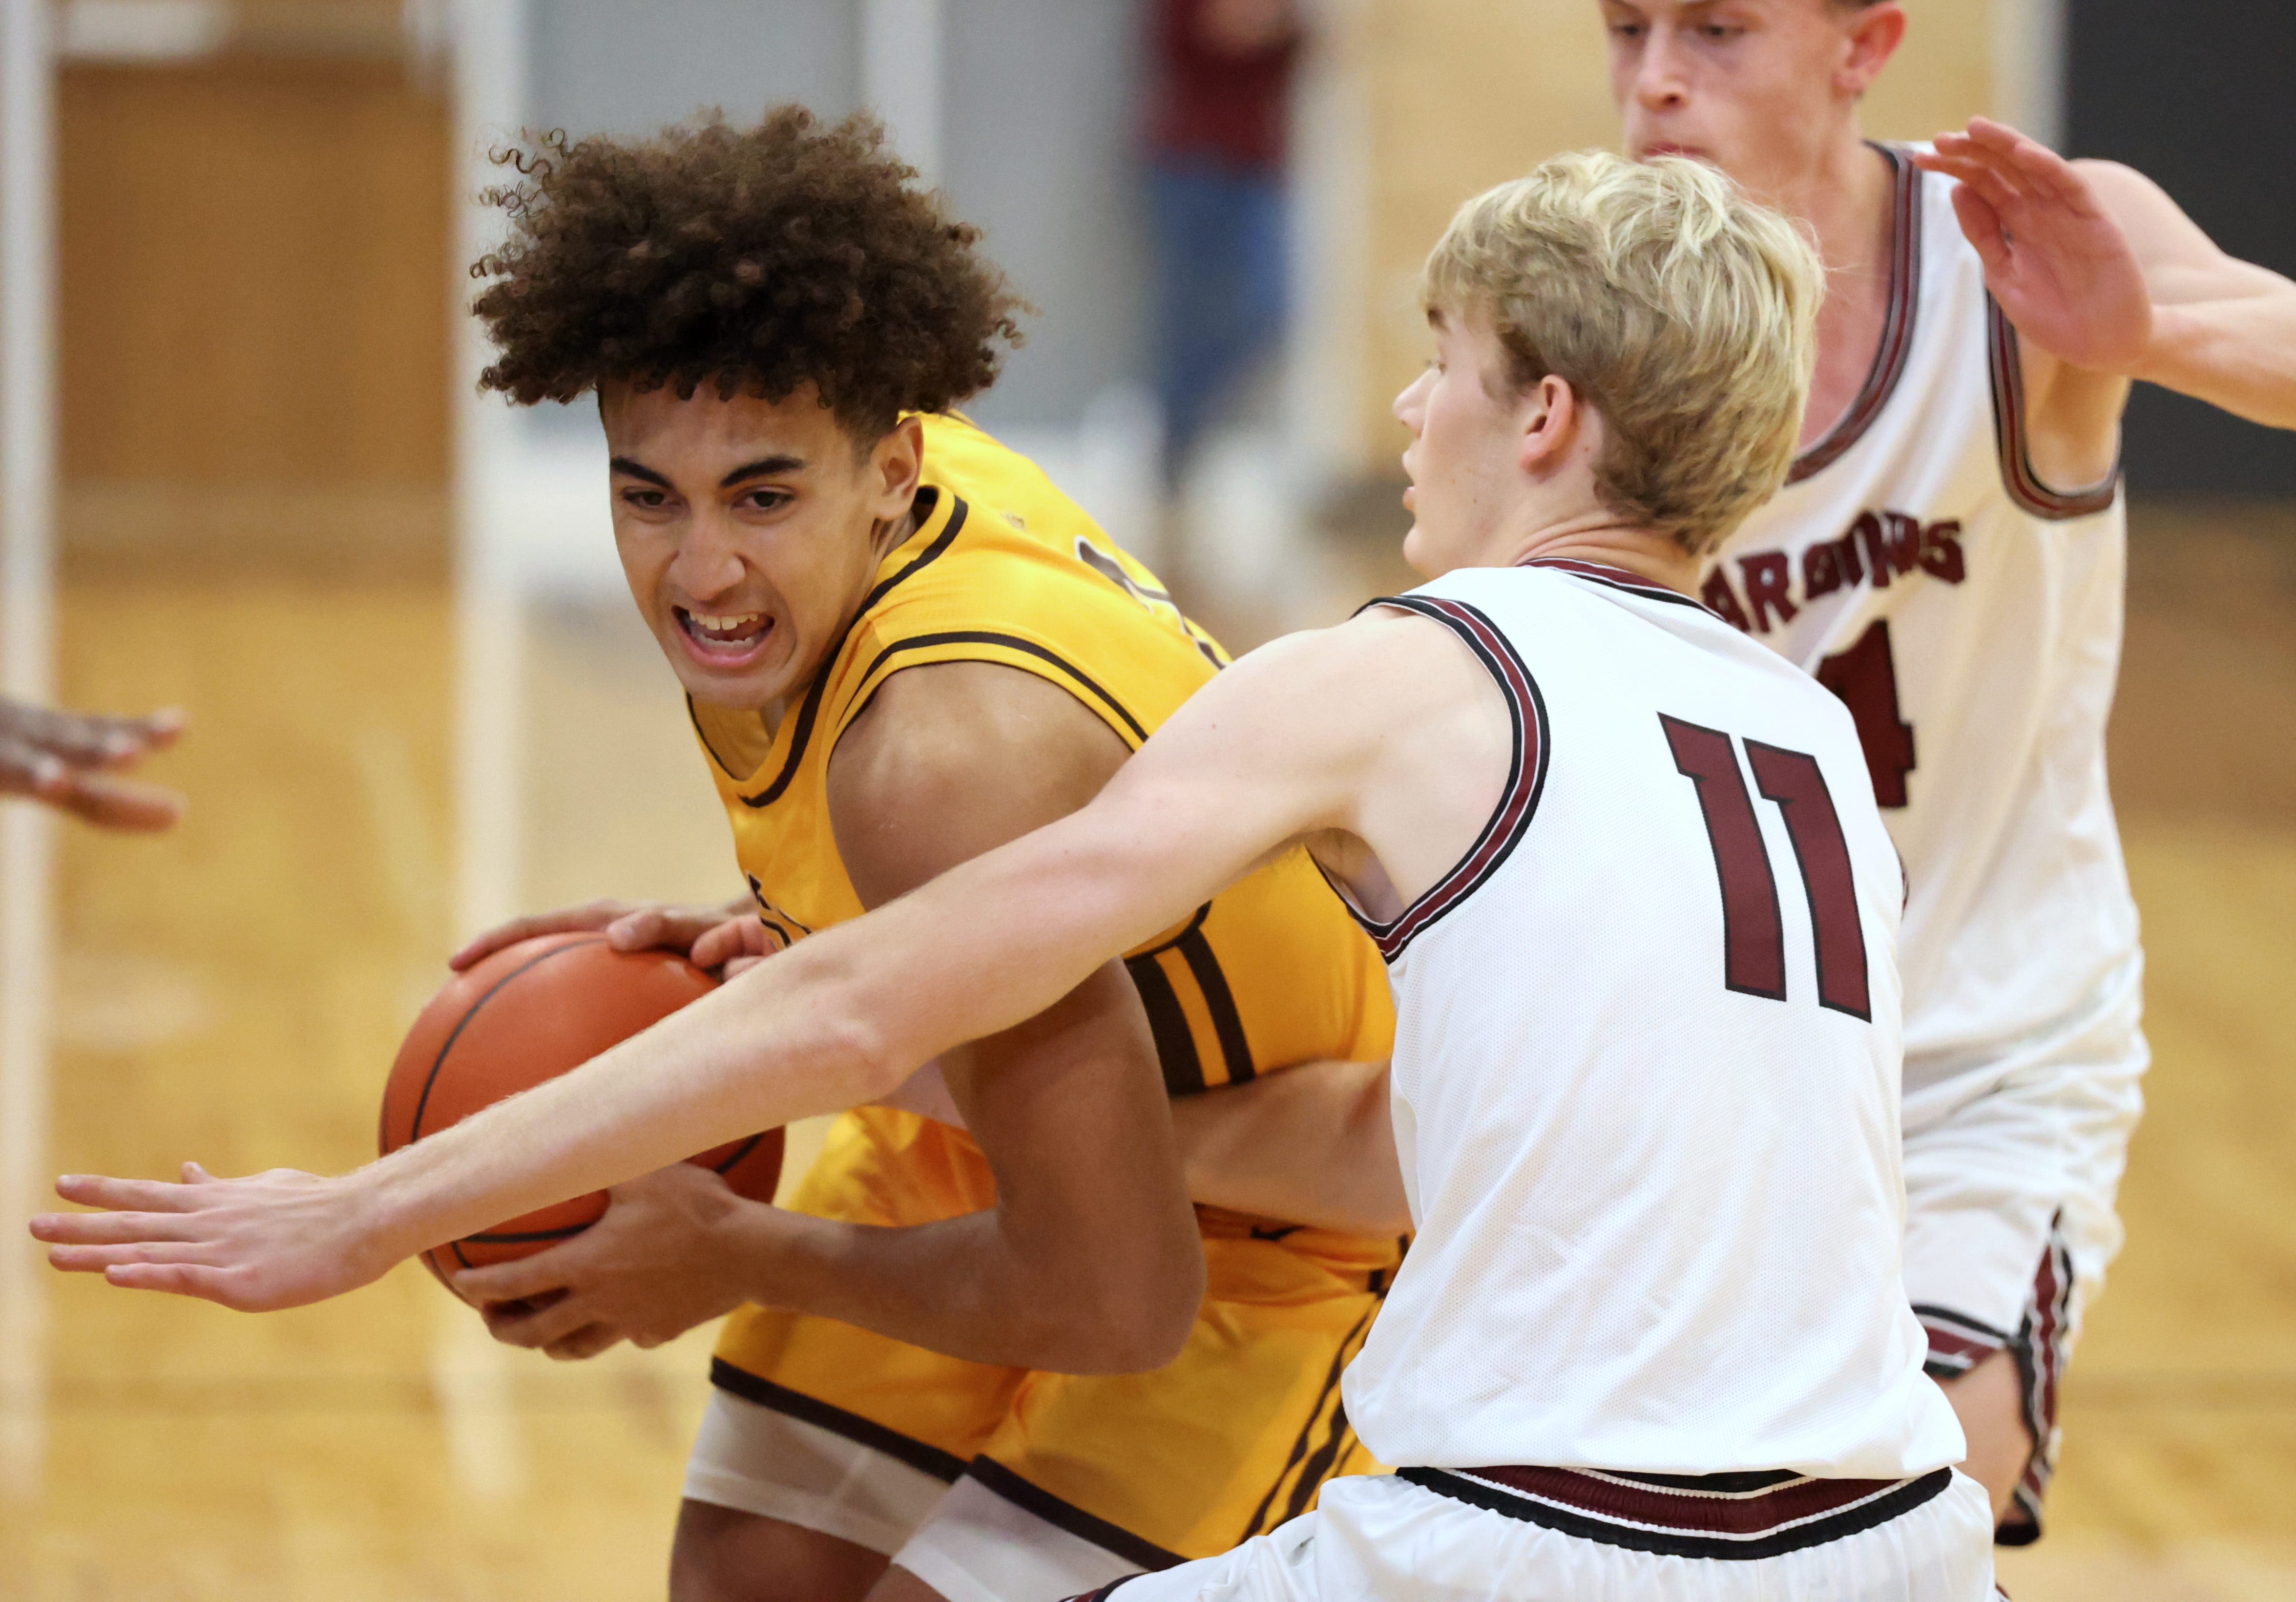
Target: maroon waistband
[[1750, 1514]]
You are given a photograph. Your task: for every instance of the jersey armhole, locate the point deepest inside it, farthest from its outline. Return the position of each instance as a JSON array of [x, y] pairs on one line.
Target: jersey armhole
[[2024, 485], [1526, 774]]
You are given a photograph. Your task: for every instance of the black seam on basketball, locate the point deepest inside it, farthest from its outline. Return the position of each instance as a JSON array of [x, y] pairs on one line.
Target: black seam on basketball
[[739, 1152], [919, 1455], [1069, 1516], [1817, 1531], [422, 1102], [810, 711]]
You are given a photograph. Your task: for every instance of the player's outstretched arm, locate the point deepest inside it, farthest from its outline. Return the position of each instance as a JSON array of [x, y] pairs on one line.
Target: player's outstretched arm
[[1319, 735], [2100, 270], [1087, 1260]]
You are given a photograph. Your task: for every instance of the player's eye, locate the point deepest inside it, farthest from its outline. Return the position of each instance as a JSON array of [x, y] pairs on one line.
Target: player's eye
[[649, 500], [766, 500]]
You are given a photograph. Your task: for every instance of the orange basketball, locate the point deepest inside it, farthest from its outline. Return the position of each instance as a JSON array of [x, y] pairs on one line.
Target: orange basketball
[[527, 1013]]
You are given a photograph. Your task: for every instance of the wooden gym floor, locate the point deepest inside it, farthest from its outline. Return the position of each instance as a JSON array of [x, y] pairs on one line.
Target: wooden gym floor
[[233, 994]]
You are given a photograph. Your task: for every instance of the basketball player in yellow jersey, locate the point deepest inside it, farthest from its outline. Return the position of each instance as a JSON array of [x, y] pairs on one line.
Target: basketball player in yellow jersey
[[902, 646]]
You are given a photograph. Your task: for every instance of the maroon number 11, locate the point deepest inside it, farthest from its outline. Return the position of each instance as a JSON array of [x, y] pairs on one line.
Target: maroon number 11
[[1753, 936]]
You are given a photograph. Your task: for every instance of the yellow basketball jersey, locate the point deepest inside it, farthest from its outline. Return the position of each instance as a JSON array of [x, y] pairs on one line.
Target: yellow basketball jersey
[[1003, 567]]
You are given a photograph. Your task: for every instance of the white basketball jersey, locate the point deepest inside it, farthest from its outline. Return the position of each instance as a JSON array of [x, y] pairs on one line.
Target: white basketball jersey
[[1645, 1072], [1970, 617]]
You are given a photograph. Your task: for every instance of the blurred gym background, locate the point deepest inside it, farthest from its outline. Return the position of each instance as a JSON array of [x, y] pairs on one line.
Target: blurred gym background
[[245, 472]]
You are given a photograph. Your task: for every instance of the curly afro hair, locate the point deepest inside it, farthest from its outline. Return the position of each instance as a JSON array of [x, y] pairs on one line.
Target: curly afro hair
[[756, 260]]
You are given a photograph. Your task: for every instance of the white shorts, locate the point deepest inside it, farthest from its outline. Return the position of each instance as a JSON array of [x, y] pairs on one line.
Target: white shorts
[[1385, 1536], [2010, 1222], [965, 1540]]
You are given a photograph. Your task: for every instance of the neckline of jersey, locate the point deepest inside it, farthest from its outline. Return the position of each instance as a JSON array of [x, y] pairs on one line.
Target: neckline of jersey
[[1897, 323], [1619, 578]]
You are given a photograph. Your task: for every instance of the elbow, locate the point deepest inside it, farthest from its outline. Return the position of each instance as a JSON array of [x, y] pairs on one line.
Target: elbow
[[1107, 1326], [863, 1058]]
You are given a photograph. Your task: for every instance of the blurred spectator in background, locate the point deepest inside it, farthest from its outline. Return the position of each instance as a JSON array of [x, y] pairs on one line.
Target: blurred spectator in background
[[1221, 93], [68, 760]]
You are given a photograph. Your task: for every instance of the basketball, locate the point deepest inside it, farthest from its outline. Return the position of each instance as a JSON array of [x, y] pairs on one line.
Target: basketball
[[527, 1013]]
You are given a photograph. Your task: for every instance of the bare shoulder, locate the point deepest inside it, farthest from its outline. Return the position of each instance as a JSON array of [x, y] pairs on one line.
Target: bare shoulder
[[1386, 661], [952, 760]]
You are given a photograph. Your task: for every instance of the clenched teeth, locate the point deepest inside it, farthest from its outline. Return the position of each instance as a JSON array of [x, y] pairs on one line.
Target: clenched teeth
[[741, 624]]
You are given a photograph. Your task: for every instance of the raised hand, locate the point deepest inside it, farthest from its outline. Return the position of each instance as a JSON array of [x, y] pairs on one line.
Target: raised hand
[[68, 760], [2055, 258], [271, 1240], [629, 927]]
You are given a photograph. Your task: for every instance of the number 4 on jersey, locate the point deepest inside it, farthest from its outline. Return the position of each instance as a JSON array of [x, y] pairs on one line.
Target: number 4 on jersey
[[1866, 680], [1753, 933]]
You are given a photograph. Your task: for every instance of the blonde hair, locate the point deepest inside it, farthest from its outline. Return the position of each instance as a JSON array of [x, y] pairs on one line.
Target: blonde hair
[[1680, 309]]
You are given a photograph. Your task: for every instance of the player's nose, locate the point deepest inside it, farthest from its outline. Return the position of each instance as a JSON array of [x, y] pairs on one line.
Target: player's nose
[[1660, 84], [707, 566]]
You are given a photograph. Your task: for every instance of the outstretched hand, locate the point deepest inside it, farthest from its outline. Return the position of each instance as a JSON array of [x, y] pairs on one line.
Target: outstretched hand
[[271, 1240], [2059, 264], [70, 760]]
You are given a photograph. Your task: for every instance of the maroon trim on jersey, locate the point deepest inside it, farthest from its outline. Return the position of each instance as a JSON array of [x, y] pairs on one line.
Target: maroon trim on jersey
[[1618, 578], [1526, 776], [2041, 1348], [1959, 1343], [1897, 323], [1726, 1515], [2017, 475]]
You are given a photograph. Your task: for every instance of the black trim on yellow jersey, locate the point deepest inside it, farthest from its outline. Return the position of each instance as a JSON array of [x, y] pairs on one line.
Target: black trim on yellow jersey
[[1069, 1516], [1307, 1467], [1011, 642], [1176, 1041], [1227, 1021], [809, 712], [945, 1466]]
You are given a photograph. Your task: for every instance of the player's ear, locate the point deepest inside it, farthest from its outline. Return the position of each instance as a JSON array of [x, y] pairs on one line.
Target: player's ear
[[1874, 35], [1548, 415], [896, 462]]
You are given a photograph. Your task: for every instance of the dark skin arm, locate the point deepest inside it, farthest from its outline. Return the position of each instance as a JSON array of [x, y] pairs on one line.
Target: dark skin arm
[[1090, 1260]]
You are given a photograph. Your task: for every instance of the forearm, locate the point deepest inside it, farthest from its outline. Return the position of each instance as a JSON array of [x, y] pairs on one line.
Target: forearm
[[1315, 1144], [2239, 354], [779, 1043], [963, 1286]]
